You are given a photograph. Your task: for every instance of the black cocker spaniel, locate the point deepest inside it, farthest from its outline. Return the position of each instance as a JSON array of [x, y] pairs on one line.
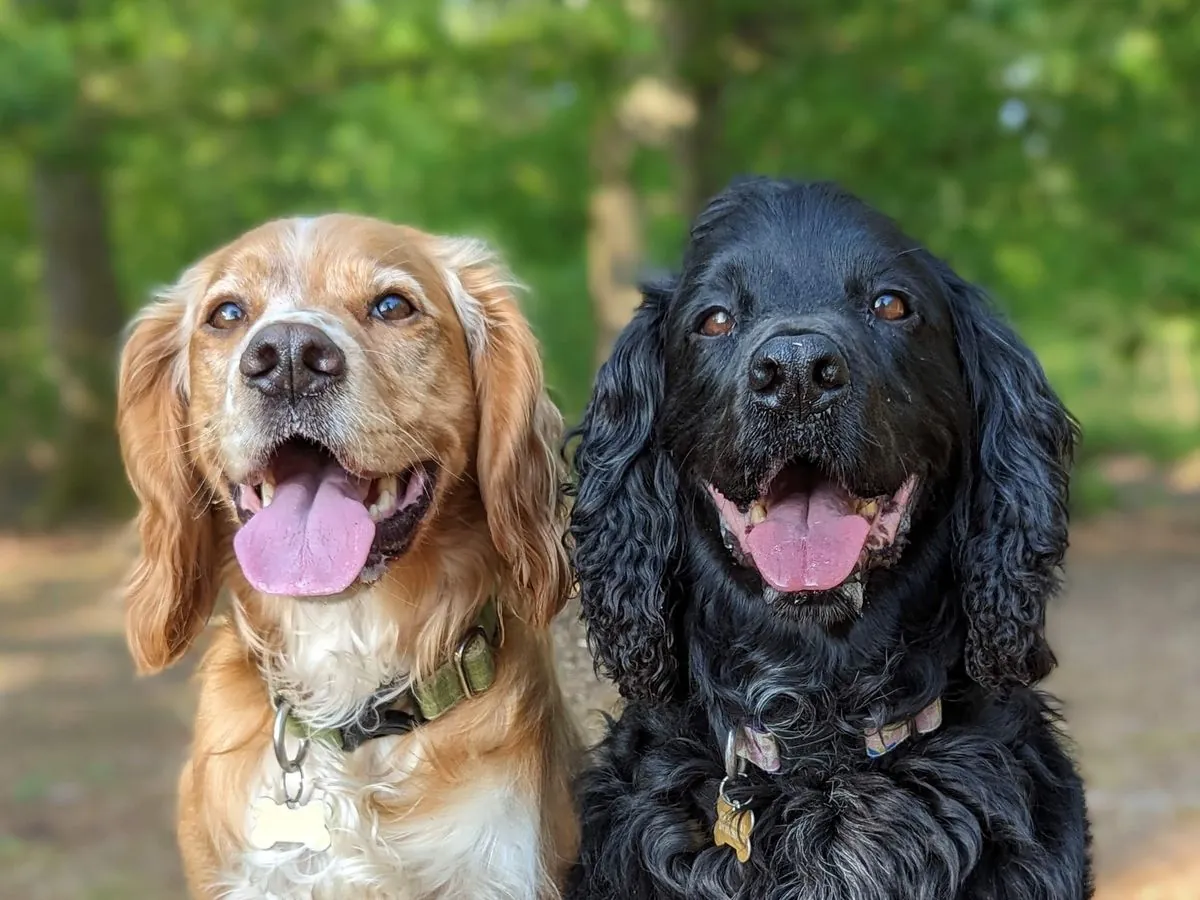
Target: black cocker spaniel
[[821, 505]]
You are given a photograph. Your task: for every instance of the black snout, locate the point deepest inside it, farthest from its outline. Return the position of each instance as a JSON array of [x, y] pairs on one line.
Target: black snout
[[292, 360], [798, 369]]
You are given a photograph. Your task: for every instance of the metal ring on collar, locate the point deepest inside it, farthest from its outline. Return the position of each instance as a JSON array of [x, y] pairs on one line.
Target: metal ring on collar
[[721, 793], [735, 766], [293, 802], [279, 739]]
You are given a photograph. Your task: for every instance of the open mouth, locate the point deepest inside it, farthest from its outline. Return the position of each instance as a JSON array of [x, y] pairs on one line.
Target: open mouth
[[312, 528], [806, 533]]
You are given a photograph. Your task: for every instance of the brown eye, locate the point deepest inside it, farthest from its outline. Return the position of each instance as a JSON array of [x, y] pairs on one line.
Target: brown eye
[[392, 308], [717, 323], [227, 315], [889, 306]]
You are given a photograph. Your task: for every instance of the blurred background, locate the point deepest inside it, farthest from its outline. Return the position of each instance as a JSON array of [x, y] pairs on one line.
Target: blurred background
[[1048, 148]]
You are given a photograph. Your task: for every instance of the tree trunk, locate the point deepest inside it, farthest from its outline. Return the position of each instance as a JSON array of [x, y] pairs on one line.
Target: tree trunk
[[614, 240], [653, 111], [700, 148], [693, 34], [83, 321]]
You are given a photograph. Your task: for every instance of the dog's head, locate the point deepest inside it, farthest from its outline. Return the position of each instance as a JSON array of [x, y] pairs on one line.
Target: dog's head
[[810, 384], [323, 393]]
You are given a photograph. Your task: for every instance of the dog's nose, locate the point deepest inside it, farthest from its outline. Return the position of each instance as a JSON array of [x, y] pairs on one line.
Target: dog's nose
[[804, 369], [292, 359]]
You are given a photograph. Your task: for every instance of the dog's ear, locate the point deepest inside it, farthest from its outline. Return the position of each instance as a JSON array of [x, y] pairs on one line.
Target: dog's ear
[[1011, 516], [172, 588], [624, 523], [517, 464]]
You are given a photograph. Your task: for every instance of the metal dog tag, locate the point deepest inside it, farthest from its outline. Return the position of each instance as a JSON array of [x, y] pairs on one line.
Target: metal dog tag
[[275, 823], [733, 827]]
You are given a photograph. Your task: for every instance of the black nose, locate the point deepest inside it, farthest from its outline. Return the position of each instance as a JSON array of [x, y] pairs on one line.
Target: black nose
[[804, 369], [291, 359]]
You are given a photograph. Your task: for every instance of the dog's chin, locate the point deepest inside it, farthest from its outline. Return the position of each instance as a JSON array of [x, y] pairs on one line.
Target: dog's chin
[[832, 610], [812, 541], [312, 528]]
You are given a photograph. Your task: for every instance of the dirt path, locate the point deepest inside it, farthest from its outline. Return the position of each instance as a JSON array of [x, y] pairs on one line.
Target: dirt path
[[89, 755]]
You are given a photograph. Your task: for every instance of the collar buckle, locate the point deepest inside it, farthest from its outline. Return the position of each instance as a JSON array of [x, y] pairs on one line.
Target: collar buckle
[[460, 651]]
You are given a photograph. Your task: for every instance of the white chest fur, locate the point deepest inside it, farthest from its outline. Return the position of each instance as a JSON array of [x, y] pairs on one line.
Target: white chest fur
[[481, 842], [478, 844]]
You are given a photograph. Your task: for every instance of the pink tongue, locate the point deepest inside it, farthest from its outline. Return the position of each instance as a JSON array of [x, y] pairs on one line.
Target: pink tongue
[[314, 538], [808, 542]]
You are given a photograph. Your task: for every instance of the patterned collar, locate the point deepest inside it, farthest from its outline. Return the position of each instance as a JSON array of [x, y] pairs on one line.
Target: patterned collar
[[889, 737], [760, 749], [733, 820]]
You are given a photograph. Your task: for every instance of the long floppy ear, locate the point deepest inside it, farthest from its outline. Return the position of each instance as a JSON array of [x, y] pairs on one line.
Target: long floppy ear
[[172, 588], [624, 523], [520, 475], [1011, 519]]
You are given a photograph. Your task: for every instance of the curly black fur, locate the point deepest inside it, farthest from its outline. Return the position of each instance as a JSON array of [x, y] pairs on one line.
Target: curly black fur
[[989, 805]]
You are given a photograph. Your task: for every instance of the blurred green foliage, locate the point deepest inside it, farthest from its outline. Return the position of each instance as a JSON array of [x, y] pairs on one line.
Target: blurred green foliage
[[1047, 149]]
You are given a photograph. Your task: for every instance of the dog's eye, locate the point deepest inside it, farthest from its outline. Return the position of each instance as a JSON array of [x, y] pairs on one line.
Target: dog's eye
[[392, 308], [889, 306], [227, 315], [717, 323]]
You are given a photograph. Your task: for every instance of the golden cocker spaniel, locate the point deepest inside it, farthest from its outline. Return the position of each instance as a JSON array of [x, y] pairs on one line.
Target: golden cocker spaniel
[[342, 424]]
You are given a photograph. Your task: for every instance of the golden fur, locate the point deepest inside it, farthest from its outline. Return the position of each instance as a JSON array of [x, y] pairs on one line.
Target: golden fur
[[460, 384]]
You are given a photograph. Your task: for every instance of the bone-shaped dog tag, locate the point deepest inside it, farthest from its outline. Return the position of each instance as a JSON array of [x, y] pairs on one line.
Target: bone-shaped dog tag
[[733, 827], [278, 823]]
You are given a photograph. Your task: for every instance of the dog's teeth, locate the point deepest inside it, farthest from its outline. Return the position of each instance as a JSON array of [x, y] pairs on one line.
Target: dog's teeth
[[758, 512], [726, 537], [268, 493], [868, 509], [383, 507], [385, 498], [387, 486]]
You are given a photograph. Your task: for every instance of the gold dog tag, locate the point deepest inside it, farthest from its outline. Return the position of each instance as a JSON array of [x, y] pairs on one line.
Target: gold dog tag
[[733, 827]]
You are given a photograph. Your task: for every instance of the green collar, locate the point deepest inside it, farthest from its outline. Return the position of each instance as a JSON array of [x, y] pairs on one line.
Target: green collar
[[470, 671]]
